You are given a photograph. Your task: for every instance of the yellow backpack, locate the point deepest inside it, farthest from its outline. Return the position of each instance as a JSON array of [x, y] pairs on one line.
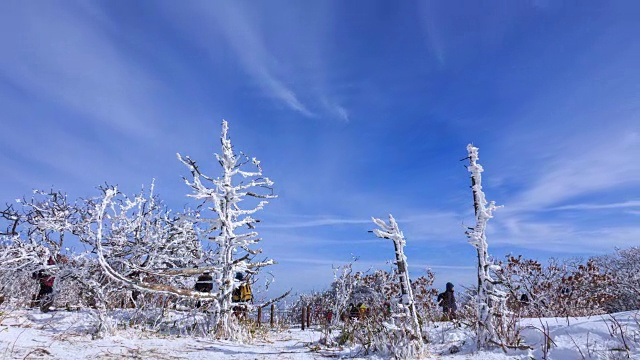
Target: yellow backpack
[[242, 293]]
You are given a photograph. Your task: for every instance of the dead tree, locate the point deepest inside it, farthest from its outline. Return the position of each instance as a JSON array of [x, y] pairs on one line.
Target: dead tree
[[241, 179], [392, 231], [490, 301]]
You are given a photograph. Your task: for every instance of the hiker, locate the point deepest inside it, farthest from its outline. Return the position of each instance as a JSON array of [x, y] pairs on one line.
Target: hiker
[[204, 283], [242, 293], [44, 298], [135, 294], [344, 315], [386, 308], [447, 300], [329, 316], [363, 310], [354, 312]]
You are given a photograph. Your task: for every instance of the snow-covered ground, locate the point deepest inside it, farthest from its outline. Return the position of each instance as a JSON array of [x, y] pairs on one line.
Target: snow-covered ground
[[615, 336], [30, 334]]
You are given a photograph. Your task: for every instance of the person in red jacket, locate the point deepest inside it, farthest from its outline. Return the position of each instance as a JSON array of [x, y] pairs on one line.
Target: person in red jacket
[[44, 298]]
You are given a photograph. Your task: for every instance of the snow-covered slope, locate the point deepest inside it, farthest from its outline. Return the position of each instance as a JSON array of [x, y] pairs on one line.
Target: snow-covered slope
[[63, 334]]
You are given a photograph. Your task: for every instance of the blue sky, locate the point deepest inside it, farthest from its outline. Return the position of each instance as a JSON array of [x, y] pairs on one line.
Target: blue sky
[[356, 109]]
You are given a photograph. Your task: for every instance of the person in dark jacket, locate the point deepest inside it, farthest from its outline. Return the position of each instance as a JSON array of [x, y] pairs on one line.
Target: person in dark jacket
[[203, 284], [44, 298], [354, 312], [447, 300]]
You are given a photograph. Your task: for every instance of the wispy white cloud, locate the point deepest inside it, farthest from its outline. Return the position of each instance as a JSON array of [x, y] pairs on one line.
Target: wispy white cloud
[[619, 205], [560, 236], [589, 165], [316, 222], [336, 109], [586, 169], [441, 267], [276, 48], [250, 48], [417, 224], [62, 55], [317, 261], [373, 264], [430, 226], [568, 154], [433, 37]]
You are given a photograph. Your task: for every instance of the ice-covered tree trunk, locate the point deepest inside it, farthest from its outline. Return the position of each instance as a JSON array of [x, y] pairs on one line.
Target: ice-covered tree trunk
[[490, 300], [392, 231], [234, 253]]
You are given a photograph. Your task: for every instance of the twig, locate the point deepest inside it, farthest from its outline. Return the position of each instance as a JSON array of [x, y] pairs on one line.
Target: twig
[[576, 344], [15, 341], [41, 350]]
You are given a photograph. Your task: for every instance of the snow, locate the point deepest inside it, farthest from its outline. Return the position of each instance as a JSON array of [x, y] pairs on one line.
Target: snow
[[61, 334], [65, 335]]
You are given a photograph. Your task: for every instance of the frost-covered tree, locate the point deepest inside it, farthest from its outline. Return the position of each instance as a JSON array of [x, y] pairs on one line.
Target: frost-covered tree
[[425, 297], [378, 291], [407, 301], [34, 250], [623, 268], [128, 245], [146, 237], [491, 300], [137, 244], [140, 248], [33, 239], [12, 218], [18, 260], [241, 179], [51, 217], [568, 287], [342, 287]]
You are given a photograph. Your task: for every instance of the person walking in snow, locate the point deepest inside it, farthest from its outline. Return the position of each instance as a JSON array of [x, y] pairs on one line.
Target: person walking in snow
[[204, 283], [44, 298], [447, 301]]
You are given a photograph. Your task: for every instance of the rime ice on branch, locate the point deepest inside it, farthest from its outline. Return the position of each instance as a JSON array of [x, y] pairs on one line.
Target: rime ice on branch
[[392, 231], [490, 300], [139, 236], [223, 196], [34, 234]]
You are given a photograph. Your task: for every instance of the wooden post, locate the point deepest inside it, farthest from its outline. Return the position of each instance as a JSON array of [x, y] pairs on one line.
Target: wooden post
[[259, 316], [304, 316], [308, 316], [273, 310]]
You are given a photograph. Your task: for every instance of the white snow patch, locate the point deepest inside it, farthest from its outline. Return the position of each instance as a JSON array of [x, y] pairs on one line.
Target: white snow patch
[[65, 335]]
